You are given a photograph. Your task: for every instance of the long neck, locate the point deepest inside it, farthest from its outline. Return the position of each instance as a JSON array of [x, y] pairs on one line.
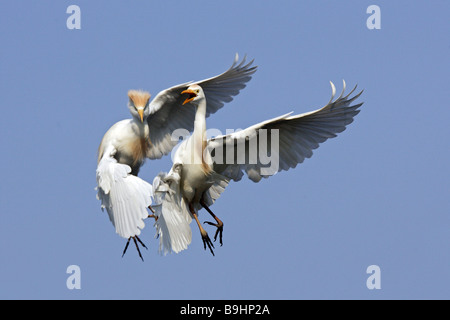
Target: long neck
[[199, 134], [200, 119]]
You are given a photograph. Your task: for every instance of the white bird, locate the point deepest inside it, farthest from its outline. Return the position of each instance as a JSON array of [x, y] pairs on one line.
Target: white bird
[[127, 144], [203, 167]]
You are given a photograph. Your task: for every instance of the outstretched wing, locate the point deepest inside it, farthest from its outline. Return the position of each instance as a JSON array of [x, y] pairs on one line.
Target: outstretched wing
[[124, 196], [167, 113], [283, 142]]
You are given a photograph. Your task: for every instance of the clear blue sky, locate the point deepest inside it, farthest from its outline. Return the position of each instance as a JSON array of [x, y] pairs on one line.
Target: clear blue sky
[[378, 194]]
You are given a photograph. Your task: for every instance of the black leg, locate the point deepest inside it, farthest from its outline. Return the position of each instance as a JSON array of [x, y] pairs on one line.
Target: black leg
[[137, 247], [126, 247], [219, 223], [140, 242]]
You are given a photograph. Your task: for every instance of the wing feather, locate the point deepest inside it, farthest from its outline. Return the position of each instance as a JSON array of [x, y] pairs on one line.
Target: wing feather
[[298, 136], [124, 196], [167, 113], [172, 225]]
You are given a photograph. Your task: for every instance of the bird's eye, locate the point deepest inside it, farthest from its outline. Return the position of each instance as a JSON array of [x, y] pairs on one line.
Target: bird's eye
[[197, 91]]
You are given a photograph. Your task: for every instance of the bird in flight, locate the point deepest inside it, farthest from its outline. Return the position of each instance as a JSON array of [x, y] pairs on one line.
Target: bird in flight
[[148, 134], [203, 168]]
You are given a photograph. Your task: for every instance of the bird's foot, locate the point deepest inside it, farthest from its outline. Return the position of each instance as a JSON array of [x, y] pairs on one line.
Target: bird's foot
[[153, 216], [137, 247], [207, 241], [219, 223], [219, 231]]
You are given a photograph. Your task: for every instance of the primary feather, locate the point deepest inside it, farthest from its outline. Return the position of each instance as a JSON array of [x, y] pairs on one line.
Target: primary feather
[[298, 136], [167, 115]]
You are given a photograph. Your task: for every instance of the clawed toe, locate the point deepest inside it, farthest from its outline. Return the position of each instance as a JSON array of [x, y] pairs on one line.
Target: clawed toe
[[207, 241], [137, 247], [219, 231]]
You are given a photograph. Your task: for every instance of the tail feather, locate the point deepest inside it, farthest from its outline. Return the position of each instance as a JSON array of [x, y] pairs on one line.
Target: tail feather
[[173, 223]]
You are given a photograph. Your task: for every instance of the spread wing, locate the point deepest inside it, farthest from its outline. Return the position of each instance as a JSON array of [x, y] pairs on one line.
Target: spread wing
[[167, 113], [124, 196], [283, 142]]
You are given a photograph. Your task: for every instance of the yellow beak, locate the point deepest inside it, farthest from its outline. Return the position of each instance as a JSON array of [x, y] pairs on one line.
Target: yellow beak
[[192, 95], [141, 114]]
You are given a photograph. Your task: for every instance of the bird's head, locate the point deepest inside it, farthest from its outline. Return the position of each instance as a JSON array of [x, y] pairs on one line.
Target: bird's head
[[195, 93], [138, 104]]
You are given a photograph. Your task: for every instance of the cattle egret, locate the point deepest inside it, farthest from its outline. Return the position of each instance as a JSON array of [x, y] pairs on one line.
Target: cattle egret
[[202, 168], [127, 144]]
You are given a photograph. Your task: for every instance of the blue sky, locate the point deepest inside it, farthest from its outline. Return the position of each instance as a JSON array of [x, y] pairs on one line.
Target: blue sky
[[378, 194]]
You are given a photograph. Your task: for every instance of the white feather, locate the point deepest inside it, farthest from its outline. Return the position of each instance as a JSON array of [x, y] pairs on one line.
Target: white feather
[[172, 225], [167, 113], [299, 135], [124, 196]]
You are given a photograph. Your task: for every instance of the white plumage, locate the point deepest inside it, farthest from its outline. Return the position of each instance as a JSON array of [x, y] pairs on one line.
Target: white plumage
[[167, 115], [298, 136], [197, 182], [127, 144], [172, 226], [125, 196]]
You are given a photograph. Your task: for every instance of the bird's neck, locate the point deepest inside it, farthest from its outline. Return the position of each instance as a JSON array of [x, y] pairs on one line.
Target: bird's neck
[[137, 143], [200, 120], [141, 128], [199, 134]]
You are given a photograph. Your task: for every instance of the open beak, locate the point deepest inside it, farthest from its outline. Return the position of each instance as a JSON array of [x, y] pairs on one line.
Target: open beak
[[141, 114], [192, 95]]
